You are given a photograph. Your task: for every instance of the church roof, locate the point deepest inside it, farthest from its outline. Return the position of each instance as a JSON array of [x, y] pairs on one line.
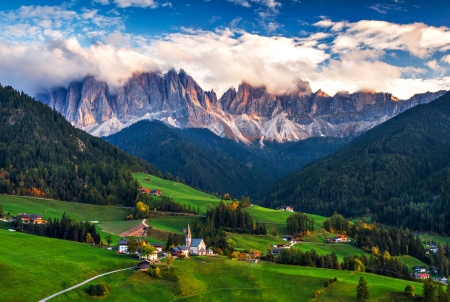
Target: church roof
[[196, 242]]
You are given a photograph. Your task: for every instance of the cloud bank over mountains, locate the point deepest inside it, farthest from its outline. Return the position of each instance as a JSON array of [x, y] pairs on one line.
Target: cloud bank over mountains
[[46, 46]]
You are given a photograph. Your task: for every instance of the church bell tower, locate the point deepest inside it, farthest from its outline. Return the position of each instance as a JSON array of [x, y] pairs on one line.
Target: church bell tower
[[188, 237]]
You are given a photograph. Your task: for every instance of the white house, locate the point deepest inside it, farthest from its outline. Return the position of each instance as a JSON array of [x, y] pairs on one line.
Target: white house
[[152, 257], [123, 247]]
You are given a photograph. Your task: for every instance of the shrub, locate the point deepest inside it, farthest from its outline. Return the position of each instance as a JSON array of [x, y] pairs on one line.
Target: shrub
[[100, 289]]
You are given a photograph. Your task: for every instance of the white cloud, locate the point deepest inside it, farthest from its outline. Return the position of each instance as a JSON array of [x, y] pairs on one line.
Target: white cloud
[[243, 3], [446, 59], [137, 3], [46, 50], [418, 39], [102, 2], [433, 64]]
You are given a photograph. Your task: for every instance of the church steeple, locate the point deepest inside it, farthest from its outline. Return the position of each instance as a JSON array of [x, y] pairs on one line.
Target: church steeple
[[188, 237]]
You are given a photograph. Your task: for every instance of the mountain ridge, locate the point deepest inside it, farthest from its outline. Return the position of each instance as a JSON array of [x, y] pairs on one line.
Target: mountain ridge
[[247, 114]]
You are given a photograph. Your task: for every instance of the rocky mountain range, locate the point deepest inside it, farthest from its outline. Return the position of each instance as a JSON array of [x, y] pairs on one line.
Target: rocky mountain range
[[248, 114]]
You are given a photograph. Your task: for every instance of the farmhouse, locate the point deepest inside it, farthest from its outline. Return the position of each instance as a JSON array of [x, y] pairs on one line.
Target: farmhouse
[[31, 218], [156, 192], [196, 246], [179, 251], [338, 238], [123, 246], [152, 257], [143, 265], [145, 190], [158, 246], [422, 275], [419, 269], [289, 238], [286, 208]]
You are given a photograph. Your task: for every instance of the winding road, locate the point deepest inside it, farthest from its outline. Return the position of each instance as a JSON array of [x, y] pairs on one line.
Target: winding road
[[84, 282]]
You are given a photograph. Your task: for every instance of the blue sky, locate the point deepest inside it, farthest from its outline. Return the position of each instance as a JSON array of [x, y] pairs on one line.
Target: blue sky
[[396, 46]]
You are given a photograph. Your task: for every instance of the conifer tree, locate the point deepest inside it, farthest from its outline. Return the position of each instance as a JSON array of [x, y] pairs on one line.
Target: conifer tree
[[362, 291], [429, 290]]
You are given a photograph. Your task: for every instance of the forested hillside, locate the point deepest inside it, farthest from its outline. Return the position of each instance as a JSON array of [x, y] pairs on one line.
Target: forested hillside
[[41, 154], [199, 167], [211, 163], [398, 172]]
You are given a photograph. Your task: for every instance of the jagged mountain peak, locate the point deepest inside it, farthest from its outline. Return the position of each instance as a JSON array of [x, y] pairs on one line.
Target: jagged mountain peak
[[246, 114]]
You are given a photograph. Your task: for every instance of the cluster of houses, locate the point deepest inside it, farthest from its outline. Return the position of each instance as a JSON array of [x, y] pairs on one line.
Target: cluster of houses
[[151, 192], [193, 246]]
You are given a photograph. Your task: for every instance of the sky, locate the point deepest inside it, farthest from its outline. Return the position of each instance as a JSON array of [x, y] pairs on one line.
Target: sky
[[397, 46]]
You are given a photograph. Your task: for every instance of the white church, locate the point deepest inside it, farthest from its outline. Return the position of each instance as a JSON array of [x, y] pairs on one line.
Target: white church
[[196, 246]]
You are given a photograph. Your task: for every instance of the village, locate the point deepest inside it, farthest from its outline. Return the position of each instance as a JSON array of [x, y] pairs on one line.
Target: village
[[151, 253]]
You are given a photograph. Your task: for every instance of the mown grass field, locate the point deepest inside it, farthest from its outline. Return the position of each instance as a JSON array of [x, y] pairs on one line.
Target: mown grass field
[[179, 192], [54, 208], [34, 267], [220, 279], [277, 218], [259, 242], [434, 237], [410, 261], [341, 249], [174, 224]]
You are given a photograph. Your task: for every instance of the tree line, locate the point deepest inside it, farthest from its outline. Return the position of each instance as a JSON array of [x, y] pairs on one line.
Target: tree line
[[66, 228], [146, 205]]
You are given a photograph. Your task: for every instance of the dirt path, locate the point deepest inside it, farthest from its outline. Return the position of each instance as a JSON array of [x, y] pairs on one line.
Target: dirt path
[[83, 283], [138, 230]]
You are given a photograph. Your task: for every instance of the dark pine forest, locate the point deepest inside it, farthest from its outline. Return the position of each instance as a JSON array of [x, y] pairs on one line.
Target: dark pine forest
[[41, 154], [398, 173]]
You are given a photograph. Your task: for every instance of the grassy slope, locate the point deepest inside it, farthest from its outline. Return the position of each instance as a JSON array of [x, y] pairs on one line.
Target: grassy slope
[[54, 208], [410, 261], [171, 224], [208, 279], [434, 237], [40, 266], [341, 250], [248, 242], [278, 218], [179, 192]]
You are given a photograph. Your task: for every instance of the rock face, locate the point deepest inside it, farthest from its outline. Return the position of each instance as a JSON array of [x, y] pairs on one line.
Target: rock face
[[248, 114]]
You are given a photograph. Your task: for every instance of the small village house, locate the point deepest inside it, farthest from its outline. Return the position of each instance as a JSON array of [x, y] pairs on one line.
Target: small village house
[[143, 265], [338, 238], [286, 208], [31, 218], [153, 257], [179, 251], [156, 192], [422, 275], [123, 246]]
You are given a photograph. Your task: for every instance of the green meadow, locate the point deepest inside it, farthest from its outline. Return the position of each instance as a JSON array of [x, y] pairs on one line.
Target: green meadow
[[277, 218], [410, 261], [434, 237], [179, 192], [33, 267], [220, 279], [174, 224], [341, 249], [55, 208], [258, 242]]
